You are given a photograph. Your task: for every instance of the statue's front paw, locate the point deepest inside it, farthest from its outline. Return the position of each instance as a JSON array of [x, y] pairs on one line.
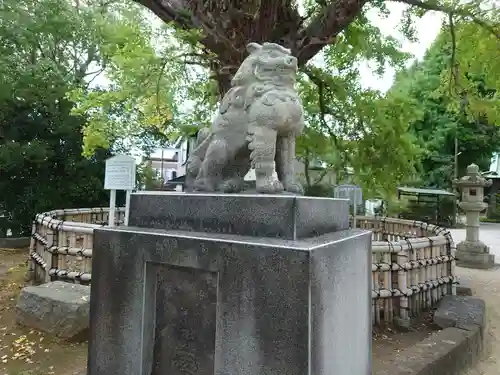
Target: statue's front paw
[[294, 187], [233, 185], [269, 185], [202, 184], [193, 165]]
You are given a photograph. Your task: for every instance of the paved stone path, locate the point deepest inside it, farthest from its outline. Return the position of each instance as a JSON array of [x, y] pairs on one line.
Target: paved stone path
[[486, 284]]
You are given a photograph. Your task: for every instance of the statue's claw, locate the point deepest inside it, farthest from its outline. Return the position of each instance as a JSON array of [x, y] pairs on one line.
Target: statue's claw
[[233, 185], [294, 187], [269, 185]]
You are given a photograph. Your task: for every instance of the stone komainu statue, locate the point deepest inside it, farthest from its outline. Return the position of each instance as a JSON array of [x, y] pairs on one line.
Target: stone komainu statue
[[258, 121]]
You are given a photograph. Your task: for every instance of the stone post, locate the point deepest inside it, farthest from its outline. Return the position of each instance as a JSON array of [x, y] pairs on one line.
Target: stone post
[[223, 284], [472, 252]]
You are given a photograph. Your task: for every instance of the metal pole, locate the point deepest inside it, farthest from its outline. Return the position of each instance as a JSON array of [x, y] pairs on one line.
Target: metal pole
[[162, 177], [463, 117], [354, 210], [127, 208], [112, 208], [455, 177]]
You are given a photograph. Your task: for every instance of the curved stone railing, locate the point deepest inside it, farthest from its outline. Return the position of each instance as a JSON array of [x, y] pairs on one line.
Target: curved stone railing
[[413, 263], [62, 241], [413, 267]]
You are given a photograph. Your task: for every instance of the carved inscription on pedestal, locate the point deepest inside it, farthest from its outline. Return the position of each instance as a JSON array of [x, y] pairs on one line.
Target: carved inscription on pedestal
[[186, 300]]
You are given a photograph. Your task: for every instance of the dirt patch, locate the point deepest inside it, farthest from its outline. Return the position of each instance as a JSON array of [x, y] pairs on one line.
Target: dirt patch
[[24, 351], [28, 352], [389, 340]]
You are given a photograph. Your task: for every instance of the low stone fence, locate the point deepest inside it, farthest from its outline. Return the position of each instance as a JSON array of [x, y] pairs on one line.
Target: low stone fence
[[413, 267], [413, 263], [62, 241]]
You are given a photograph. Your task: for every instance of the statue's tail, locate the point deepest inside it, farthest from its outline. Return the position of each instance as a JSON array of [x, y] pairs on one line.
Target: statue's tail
[[196, 157]]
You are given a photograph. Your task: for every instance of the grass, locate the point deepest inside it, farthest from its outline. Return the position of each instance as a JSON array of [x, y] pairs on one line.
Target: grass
[[488, 220]]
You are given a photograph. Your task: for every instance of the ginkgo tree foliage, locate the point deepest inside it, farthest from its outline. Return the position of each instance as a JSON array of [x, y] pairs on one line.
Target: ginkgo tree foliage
[[462, 108], [51, 50], [151, 84], [348, 119], [133, 93], [46, 49], [204, 43], [473, 77]]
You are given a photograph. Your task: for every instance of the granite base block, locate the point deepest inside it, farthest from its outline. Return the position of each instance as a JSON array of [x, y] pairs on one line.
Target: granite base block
[[280, 216], [57, 308], [460, 312], [173, 302], [475, 260], [476, 247]]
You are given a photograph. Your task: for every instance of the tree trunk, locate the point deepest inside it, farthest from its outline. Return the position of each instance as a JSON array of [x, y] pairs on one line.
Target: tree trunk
[[229, 25], [223, 84]]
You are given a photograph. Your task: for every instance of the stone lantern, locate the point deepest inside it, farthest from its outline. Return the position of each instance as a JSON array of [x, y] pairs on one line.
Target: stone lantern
[[472, 252]]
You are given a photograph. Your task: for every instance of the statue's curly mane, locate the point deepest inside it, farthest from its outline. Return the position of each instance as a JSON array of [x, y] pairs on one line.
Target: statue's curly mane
[[252, 80], [249, 71]]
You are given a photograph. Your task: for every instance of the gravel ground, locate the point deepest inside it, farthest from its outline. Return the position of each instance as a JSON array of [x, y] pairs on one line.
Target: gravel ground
[[486, 285]]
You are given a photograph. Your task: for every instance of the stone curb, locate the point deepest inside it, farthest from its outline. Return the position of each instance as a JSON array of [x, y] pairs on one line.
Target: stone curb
[[14, 242], [456, 347], [447, 352]]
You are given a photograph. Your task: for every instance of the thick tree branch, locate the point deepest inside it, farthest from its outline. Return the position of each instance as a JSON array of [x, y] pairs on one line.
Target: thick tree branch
[[494, 30], [323, 29], [96, 74], [82, 69], [228, 25], [181, 12], [322, 175], [171, 10], [321, 85]]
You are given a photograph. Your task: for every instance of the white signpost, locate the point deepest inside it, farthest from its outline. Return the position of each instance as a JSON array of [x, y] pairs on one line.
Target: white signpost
[[119, 175]]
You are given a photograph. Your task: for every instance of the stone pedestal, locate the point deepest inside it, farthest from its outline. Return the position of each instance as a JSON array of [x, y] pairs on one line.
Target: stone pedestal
[[472, 259], [231, 284], [472, 252]]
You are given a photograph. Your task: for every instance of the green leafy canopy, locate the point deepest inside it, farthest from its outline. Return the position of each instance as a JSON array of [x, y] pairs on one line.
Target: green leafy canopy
[[166, 79]]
